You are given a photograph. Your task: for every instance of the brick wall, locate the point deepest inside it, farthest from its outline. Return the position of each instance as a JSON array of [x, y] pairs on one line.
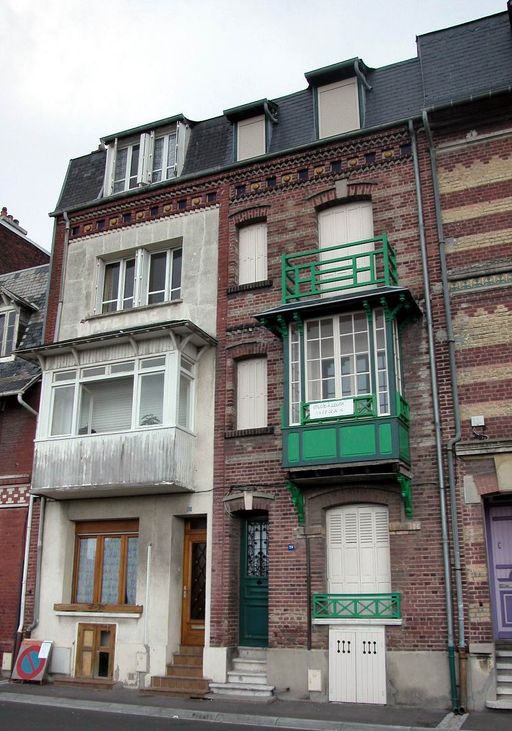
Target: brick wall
[[18, 253]]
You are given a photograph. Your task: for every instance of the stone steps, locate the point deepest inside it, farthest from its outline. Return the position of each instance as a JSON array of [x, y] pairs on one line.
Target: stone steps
[[503, 654], [248, 676]]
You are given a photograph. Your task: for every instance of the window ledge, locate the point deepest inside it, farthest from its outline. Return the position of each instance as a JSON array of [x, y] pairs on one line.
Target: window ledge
[[100, 610], [235, 433], [249, 286], [141, 308]]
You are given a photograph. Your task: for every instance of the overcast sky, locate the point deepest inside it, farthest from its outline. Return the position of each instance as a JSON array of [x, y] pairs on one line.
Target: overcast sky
[[72, 71]]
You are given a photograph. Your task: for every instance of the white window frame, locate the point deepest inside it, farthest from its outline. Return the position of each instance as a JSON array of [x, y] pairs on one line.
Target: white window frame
[[252, 404], [7, 315], [127, 181], [246, 149], [294, 412], [142, 272], [167, 171], [252, 253], [78, 377]]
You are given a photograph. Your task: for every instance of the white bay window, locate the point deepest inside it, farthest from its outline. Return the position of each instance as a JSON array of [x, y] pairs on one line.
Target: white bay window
[[129, 395]]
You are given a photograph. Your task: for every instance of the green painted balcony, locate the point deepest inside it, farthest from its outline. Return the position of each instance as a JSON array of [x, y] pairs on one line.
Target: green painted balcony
[[356, 606], [333, 270], [347, 430]]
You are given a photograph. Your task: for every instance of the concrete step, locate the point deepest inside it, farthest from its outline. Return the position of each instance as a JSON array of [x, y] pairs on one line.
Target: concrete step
[[247, 677], [190, 650], [254, 653], [503, 653], [243, 665], [500, 705], [180, 683], [505, 690], [186, 661], [249, 690]]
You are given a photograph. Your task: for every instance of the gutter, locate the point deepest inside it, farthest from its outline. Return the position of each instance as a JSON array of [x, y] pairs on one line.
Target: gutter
[[451, 444], [63, 271], [437, 427]]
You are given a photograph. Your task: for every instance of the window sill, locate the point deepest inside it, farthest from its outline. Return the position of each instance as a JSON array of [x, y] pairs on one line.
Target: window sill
[[141, 308], [249, 286], [111, 610], [235, 433]]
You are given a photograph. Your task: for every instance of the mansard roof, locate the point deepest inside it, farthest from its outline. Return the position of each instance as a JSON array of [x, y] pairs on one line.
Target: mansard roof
[[26, 288], [453, 65]]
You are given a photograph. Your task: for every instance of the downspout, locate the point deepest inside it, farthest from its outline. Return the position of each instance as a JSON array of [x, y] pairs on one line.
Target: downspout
[[437, 427], [39, 549], [63, 271], [451, 444], [362, 96]]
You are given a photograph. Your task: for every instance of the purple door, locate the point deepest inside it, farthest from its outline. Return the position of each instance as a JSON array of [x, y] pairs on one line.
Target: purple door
[[500, 545]]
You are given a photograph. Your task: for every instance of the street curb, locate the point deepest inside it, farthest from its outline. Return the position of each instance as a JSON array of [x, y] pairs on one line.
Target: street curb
[[213, 716]]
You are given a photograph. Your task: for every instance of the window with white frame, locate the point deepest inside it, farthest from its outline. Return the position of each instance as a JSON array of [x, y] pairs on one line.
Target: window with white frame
[[338, 108], [252, 253], [8, 331], [250, 138], [149, 157], [164, 158], [251, 402], [145, 278], [345, 356], [123, 396]]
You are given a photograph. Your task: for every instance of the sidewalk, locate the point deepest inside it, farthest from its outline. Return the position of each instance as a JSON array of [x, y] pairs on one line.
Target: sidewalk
[[280, 713]]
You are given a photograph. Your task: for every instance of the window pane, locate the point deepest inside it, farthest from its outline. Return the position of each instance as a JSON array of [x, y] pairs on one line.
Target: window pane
[[158, 152], [157, 275], [111, 565], [111, 287], [129, 281], [151, 399], [131, 570], [84, 420], [120, 169], [62, 416], [10, 336], [64, 376], [2, 330], [111, 404], [184, 401], [153, 362], [171, 155], [176, 274], [134, 165], [125, 367], [85, 579]]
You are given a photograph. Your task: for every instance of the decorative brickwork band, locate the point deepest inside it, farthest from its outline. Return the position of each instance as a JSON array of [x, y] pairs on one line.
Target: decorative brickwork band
[[14, 496]]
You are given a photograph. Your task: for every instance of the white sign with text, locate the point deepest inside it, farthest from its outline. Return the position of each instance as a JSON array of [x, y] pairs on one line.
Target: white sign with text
[[330, 409]]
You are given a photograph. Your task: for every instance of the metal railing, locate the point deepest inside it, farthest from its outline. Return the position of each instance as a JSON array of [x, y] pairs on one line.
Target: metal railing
[[356, 606], [333, 269]]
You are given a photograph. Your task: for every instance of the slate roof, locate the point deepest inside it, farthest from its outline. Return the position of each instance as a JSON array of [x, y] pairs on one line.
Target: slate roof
[[454, 64], [30, 286]]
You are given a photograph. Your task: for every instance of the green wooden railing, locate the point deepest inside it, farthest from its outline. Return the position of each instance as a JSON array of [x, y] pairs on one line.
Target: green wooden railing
[[356, 606], [333, 269], [402, 408]]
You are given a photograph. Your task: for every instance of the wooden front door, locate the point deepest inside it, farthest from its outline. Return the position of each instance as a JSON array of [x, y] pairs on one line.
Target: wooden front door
[[254, 583], [500, 551], [194, 583], [95, 650]]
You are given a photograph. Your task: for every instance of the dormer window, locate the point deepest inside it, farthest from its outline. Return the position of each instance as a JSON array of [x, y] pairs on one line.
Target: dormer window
[[7, 332], [126, 172], [164, 158], [251, 140], [338, 108], [141, 159]]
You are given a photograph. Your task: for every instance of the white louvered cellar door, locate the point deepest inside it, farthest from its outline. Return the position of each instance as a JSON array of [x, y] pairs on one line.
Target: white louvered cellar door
[[342, 666], [357, 665]]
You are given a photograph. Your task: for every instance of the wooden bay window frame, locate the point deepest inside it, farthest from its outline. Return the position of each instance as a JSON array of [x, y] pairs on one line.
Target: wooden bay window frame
[[99, 531]]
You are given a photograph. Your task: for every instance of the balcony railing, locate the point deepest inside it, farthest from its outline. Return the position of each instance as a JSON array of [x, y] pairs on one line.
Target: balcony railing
[[335, 269], [356, 606]]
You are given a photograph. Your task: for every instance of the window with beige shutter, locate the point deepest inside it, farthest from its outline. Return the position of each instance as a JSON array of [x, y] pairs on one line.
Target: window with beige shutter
[[251, 137], [252, 253], [251, 403], [338, 108]]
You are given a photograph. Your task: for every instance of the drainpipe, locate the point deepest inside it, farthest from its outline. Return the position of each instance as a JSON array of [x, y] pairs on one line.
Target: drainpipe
[[437, 427], [63, 272], [23, 597], [451, 444], [25, 405], [142, 673], [39, 552]]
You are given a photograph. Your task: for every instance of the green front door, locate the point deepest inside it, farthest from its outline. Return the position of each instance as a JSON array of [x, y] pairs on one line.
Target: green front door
[[254, 583]]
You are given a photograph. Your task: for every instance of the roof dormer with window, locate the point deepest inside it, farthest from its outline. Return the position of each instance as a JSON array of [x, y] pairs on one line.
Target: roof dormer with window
[[145, 155], [252, 125]]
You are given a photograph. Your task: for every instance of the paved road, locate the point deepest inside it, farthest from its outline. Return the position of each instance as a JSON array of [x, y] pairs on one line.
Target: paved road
[[21, 717]]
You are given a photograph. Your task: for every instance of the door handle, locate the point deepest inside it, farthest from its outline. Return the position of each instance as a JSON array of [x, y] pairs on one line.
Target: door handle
[[184, 592]]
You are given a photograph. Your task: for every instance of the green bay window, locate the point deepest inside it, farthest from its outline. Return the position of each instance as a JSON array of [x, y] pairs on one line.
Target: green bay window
[[346, 356]]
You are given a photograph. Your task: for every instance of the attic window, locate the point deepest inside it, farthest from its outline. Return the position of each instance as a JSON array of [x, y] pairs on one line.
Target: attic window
[[338, 108], [250, 141], [7, 332]]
